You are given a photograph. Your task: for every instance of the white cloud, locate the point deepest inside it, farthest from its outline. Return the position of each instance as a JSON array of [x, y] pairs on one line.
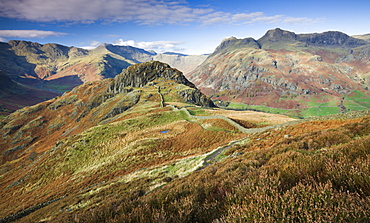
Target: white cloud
[[157, 46], [254, 17], [242, 17], [2, 39], [92, 45], [301, 20], [138, 11], [29, 33]]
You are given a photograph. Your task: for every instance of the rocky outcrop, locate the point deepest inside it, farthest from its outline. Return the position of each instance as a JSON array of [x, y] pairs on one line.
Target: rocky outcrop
[[194, 96], [139, 75], [276, 35], [331, 39]]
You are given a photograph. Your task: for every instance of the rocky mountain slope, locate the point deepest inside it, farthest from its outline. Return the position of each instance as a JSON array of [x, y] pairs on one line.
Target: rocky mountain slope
[[55, 68], [136, 148], [298, 74]]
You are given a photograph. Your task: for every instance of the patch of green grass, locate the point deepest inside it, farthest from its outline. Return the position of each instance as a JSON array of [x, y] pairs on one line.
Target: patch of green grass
[[262, 108], [353, 105], [58, 87], [184, 115], [320, 111], [359, 97], [197, 112]]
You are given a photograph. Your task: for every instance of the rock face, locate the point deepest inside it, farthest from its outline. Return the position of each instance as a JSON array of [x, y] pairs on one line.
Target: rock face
[[286, 70], [276, 35], [330, 39], [194, 96], [140, 74]]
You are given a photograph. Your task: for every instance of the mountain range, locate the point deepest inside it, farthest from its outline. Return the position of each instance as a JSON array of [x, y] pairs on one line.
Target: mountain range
[[297, 74], [48, 70]]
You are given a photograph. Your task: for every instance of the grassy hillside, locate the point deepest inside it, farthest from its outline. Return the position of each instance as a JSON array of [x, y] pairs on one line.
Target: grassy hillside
[[309, 171], [319, 173]]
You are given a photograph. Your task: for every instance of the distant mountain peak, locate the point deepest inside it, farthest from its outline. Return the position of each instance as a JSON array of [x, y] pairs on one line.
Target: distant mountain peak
[[233, 42], [175, 54], [331, 39], [276, 34]]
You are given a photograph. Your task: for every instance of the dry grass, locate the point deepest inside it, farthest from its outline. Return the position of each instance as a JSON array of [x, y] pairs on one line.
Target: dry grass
[[251, 116], [279, 182]]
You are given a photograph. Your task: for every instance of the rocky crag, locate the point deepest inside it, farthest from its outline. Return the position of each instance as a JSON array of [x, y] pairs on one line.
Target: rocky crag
[[289, 71]]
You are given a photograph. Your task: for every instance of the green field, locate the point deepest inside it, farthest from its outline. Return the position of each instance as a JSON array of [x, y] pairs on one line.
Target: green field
[[289, 112]]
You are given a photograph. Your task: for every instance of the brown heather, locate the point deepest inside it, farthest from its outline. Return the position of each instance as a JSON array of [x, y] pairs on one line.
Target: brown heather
[[320, 174]]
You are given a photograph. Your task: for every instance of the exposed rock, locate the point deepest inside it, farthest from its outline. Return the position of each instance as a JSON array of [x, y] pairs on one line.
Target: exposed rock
[[140, 74], [276, 35], [125, 103], [330, 39], [194, 96]]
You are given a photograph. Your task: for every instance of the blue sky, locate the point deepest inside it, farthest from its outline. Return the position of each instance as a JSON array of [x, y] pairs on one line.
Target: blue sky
[[185, 26]]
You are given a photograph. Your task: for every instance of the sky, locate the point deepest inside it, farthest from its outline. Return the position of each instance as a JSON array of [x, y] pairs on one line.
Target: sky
[[183, 26]]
